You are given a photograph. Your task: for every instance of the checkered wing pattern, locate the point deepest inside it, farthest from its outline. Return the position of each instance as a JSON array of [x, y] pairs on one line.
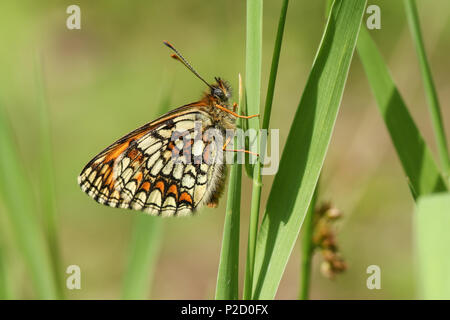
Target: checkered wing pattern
[[155, 171]]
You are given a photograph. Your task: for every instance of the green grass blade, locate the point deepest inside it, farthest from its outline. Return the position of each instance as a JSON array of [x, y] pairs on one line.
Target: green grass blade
[[433, 245], [415, 156], [228, 276], [46, 177], [253, 90], [253, 231], [248, 166], [253, 60], [306, 146], [227, 287], [430, 90], [20, 206], [256, 175], [145, 244], [307, 248], [274, 66]]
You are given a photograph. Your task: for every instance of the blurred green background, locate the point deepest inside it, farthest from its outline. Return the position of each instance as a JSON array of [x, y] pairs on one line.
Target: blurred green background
[[108, 78]]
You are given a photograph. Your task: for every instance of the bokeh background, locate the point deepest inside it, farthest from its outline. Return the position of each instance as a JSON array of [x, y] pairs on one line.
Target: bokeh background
[[109, 77]]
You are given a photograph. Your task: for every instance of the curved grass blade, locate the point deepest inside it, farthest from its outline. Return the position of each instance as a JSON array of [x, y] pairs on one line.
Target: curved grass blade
[[306, 146], [417, 161], [19, 203], [46, 177]]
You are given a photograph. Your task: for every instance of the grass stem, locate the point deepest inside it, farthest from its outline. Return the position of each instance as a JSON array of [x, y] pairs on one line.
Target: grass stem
[[274, 66], [307, 248], [227, 287], [430, 89], [253, 90]]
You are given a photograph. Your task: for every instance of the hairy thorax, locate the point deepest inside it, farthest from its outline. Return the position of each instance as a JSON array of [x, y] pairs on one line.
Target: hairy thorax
[[226, 120]]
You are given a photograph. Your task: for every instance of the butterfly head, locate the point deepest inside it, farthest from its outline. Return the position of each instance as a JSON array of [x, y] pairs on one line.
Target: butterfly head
[[221, 91]]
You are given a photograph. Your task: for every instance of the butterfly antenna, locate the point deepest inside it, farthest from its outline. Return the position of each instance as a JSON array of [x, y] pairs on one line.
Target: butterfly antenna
[[179, 57]]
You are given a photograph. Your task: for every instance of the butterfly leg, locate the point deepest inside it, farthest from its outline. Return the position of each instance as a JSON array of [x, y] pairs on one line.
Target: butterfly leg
[[224, 148], [234, 113]]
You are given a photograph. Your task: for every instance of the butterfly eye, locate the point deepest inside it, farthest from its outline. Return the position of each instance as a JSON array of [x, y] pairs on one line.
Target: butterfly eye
[[218, 93]]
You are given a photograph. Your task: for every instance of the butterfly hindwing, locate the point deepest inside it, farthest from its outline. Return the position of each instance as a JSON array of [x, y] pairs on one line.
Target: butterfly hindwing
[[159, 168]]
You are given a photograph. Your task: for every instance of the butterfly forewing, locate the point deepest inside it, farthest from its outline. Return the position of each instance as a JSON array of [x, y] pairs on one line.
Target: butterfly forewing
[[159, 168]]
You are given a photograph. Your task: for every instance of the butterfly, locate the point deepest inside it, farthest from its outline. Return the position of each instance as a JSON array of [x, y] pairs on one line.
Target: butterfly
[[167, 167]]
